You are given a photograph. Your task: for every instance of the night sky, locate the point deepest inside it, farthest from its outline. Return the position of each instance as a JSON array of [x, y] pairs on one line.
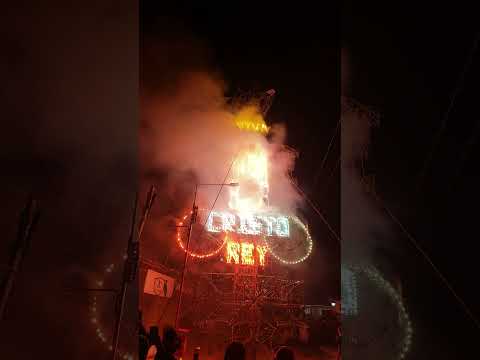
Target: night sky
[[406, 61]]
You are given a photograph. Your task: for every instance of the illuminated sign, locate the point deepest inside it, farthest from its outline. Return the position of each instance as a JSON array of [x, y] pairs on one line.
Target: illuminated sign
[[245, 253], [248, 224]]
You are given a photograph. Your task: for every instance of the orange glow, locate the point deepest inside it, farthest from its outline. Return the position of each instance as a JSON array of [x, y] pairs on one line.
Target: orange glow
[[247, 254]]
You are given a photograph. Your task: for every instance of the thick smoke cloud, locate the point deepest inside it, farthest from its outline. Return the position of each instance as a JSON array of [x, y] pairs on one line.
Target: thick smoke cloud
[[192, 130]]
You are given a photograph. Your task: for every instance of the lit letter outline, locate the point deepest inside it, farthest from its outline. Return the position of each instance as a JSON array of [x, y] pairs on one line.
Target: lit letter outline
[[262, 251], [233, 252], [210, 222], [247, 254]]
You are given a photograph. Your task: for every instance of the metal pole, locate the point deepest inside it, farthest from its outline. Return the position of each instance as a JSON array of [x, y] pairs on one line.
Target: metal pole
[[192, 220], [146, 211], [9, 282], [127, 272], [28, 220]]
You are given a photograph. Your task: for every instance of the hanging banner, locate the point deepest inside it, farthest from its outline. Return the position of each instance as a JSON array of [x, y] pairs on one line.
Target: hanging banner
[[158, 284]]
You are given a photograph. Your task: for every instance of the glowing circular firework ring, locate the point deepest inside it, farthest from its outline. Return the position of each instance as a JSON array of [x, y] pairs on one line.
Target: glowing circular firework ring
[[94, 319], [374, 276], [211, 245], [294, 249]]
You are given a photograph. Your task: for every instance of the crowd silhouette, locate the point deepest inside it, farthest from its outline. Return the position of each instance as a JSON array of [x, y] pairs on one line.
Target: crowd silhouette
[[171, 347]]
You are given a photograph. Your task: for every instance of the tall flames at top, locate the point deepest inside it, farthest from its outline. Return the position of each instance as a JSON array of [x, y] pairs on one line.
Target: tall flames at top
[[250, 167], [250, 171]]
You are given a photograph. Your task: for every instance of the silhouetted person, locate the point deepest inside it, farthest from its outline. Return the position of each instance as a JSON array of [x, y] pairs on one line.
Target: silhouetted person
[[235, 351], [196, 354], [143, 342], [154, 337], [171, 344], [154, 343], [284, 353], [339, 342]]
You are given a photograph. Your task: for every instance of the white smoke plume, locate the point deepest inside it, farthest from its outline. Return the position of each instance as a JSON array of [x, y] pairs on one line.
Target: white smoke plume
[[362, 221], [192, 130]]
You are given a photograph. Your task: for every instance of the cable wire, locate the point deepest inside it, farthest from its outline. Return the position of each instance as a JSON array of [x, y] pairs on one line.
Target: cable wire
[[218, 195], [468, 147], [443, 125], [319, 213], [430, 262], [330, 144]]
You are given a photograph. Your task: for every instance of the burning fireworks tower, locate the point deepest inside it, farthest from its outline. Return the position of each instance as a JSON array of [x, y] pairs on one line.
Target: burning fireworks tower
[[236, 284]]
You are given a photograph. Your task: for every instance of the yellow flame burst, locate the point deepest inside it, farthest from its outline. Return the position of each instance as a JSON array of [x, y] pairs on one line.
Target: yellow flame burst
[[250, 166], [249, 118]]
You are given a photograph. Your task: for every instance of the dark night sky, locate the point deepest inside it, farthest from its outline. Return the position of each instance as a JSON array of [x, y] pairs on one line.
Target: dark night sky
[[406, 62]]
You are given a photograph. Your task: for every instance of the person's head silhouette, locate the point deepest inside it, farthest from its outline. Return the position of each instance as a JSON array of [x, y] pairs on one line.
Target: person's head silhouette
[[235, 351], [153, 333], [284, 353], [171, 340]]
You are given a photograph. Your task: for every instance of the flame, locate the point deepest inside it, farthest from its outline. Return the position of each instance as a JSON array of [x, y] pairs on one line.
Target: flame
[[250, 119], [250, 170]]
